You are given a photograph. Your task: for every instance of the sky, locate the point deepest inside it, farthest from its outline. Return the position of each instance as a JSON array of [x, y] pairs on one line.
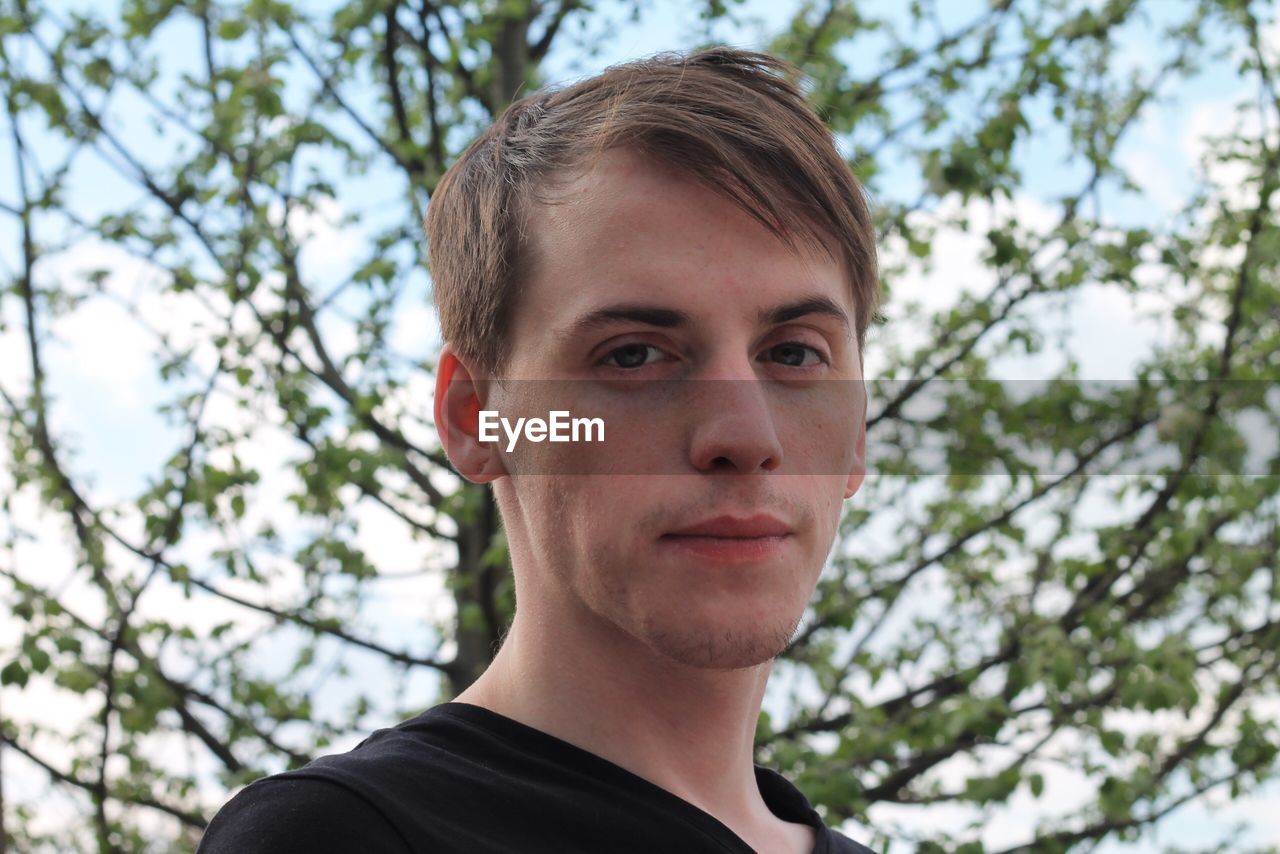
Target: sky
[[103, 373]]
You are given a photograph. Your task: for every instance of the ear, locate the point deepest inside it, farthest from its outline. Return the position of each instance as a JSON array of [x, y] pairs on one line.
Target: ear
[[457, 415], [859, 471]]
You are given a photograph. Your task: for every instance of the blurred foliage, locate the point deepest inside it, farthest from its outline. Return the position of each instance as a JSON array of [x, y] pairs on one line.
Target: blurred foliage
[[978, 638]]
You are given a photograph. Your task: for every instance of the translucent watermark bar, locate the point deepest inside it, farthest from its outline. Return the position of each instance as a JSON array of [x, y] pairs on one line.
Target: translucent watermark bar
[[811, 427]]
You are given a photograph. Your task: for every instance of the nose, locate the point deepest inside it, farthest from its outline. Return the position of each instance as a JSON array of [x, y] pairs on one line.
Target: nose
[[733, 429]]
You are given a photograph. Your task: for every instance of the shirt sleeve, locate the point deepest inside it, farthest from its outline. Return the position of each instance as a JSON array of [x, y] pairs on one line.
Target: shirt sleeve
[[300, 813], [841, 844]]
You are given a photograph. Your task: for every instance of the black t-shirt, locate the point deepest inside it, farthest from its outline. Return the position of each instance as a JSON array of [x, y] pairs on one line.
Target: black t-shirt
[[461, 778]]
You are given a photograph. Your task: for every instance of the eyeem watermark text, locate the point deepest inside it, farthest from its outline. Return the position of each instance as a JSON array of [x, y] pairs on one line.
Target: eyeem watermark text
[[560, 426]]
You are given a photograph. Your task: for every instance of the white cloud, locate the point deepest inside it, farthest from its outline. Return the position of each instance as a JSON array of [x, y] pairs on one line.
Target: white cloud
[[1210, 120], [15, 369], [388, 544], [328, 243], [97, 341], [1107, 331], [1154, 161], [960, 242], [416, 329]]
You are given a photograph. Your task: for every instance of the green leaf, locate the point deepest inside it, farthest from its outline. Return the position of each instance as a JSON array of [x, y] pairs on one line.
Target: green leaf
[[14, 674]]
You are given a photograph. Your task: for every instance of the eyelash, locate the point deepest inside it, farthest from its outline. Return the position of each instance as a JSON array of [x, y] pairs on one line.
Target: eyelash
[[822, 358], [631, 346]]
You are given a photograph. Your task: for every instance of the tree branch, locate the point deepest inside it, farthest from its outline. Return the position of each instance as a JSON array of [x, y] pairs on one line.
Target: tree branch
[[327, 83], [538, 50], [188, 818]]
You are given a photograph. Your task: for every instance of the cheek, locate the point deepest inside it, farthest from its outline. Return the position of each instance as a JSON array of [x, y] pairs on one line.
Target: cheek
[[558, 529], [642, 436], [830, 508], [584, 522], [822, 497], [603, 431], [818, 430]]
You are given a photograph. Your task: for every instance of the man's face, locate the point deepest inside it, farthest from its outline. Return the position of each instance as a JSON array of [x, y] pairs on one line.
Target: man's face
[[707, 346]]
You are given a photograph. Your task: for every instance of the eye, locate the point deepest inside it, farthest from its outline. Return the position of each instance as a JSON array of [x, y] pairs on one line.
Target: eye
[[630, 356], [795, 355]]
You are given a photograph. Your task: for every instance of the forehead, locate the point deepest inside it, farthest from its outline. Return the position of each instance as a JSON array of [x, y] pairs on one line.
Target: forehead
[[627, 224]]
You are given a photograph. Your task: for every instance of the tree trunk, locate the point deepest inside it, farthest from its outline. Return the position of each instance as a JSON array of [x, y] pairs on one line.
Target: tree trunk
[[511, 51]]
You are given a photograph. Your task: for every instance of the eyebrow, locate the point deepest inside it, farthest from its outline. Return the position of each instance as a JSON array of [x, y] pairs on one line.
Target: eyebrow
[[668, 318], [648, 315], [801, 308]]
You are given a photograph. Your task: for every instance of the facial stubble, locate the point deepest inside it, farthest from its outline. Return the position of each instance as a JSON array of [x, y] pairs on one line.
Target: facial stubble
[[673, 633]]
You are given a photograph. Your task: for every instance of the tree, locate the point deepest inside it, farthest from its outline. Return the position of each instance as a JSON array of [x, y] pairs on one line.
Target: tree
[[1090, 590]]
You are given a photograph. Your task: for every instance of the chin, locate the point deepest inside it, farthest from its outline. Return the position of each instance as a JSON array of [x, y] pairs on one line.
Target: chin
[[712, 645]]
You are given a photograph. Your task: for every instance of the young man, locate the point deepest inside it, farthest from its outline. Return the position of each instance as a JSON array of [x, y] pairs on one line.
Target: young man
[[676, 249]]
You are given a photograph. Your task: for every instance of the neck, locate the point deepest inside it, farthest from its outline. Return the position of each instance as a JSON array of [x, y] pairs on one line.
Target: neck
[[688, 730]]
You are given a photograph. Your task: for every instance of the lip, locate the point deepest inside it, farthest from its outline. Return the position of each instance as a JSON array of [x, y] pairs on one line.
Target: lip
[[731, 539], [736, 527]]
